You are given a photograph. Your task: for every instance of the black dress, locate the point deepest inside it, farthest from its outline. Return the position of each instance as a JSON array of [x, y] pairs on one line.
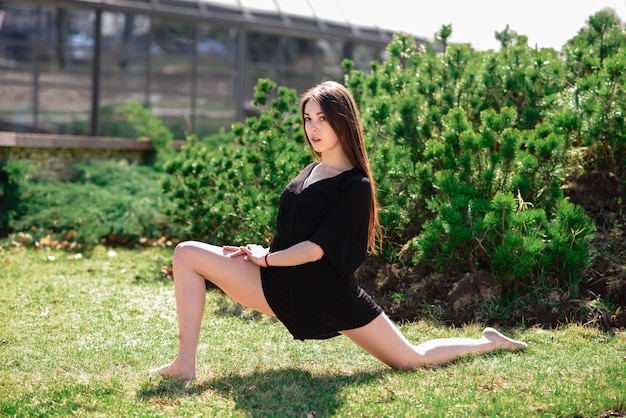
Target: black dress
[[317, 300]]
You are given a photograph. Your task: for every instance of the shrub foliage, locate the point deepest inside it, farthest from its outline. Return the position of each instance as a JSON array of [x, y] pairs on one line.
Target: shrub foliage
[[469, 150], [229, 194], [112, 201]]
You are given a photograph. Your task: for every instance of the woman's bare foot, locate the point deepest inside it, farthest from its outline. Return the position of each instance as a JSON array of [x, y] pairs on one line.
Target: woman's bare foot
[[175, 371], [503, 341]]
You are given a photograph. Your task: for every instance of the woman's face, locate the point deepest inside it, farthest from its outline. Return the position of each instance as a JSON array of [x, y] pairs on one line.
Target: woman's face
[[321, 136]]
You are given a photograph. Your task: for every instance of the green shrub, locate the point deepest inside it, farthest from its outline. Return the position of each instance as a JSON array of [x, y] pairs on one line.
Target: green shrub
[[469, 150], [113, 200], [481, 218], [13, 177], [229, 194], [568, 251], [596, 71]]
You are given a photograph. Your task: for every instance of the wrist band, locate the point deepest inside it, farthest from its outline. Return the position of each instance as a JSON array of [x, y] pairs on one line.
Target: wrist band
[[266, 263]]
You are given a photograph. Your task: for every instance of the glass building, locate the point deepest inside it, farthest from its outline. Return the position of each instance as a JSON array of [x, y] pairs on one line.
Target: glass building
[[68, 66]]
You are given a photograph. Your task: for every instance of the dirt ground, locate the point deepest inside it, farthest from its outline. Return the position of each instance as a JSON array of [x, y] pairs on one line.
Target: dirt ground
[[460, 298]]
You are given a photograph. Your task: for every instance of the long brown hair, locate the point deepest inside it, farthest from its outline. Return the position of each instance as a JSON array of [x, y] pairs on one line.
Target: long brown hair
[[342, 114]]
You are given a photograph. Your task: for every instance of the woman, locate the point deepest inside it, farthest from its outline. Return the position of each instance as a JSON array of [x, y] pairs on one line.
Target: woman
[[326, 223]]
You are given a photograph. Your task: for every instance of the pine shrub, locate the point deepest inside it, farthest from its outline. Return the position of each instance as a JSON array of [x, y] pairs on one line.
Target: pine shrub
[[481, 217], [469, 151], [229, 194], [596, 73]]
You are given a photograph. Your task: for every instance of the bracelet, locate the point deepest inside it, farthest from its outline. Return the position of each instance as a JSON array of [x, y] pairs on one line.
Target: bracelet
[[265, 258]]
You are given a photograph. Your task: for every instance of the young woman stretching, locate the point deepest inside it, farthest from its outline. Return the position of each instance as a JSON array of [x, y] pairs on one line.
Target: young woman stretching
[[326, 223]]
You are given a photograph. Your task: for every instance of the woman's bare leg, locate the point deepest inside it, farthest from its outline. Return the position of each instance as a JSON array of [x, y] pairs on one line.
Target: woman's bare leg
[[193, 263], [382, 339]]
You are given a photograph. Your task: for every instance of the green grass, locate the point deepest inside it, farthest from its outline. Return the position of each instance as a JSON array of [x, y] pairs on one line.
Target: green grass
[[78, 336]]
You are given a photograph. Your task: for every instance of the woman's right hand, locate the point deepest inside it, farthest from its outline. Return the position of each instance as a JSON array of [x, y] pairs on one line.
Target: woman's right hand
[[250, 252], [235, 251]]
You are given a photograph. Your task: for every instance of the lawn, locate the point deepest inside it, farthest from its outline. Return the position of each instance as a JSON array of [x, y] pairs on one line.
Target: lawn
[[79, 334]]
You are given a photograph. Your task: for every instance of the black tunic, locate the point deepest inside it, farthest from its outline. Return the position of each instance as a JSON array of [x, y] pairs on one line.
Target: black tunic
[[317, 300]]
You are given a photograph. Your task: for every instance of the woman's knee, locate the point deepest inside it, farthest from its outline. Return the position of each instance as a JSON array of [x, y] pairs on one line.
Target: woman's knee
[[181, 252], [187, 252], [182, 248]]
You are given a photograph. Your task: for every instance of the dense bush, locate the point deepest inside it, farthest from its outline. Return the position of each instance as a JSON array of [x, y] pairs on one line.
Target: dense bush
[[112, 201], [596, 97], [13, 175], [230, 194], [469, 150], [115, 201], [445, 177], [482, 218]]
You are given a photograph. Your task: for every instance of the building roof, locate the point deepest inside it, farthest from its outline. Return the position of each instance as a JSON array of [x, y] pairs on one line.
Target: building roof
[[291, 17]]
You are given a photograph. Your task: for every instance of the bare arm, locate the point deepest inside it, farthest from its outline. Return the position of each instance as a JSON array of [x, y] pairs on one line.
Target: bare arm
[[301, 253]]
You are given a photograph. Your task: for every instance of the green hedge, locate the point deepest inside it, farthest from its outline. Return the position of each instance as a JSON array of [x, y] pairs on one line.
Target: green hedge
[[114, 201]]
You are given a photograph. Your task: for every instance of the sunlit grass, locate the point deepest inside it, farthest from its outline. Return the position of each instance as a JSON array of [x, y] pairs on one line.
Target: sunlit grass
[[79, 334]]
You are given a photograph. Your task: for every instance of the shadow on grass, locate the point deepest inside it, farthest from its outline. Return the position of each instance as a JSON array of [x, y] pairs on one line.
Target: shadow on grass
[[279, 392]]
